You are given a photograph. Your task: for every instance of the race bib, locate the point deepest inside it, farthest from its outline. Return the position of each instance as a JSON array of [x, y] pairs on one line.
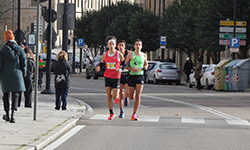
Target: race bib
[[111, 65], [139, 70]]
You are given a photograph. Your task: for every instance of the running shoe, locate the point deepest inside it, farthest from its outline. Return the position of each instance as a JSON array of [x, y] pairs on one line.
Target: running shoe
[[117, 100], [121, 115], [111, 117], [134, 118], [126, 102]]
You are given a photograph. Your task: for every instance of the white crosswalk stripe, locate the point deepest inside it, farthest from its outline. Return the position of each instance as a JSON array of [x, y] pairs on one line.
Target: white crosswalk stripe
[[189, 120]]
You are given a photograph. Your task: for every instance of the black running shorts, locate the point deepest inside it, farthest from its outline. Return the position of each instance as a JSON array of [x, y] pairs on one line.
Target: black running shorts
[[135, 79], [124, 78], [114, 83]]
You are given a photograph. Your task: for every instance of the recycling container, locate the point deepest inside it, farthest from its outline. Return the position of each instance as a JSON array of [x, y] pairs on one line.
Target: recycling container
[[219, 75], [230, 73], [241, 72]]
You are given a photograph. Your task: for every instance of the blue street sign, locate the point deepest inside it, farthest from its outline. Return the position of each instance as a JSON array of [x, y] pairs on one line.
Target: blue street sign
[[163, 40], [234, 42], [80, 43]]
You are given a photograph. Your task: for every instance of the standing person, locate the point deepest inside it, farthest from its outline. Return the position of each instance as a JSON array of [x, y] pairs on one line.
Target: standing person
[[12, 70], [40, 72], [158, 58], [137, 63], [112, 60], [28, 78], [197, 74], [124, 79], [168, 59], [62, 70], [188, 66]]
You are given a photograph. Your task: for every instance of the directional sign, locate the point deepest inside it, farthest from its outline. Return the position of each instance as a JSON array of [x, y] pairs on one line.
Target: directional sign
[[163, 40], [80, 43], [231, 29], [234, 42], [227, 42], [231, 23], [228, 36]]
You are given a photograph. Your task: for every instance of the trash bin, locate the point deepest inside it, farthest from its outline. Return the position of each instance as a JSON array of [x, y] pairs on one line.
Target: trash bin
[[219, 75], [227, 78], [230, 73], [241, 72]]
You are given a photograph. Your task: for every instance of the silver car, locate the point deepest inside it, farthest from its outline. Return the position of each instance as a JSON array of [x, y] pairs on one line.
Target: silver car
[[164, 72]]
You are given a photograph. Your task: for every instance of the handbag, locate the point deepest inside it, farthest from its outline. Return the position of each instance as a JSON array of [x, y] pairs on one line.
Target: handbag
[[60, 78]]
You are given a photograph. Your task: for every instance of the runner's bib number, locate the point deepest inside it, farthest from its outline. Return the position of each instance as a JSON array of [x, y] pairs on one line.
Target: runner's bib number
[[139, 70], [111, 65]]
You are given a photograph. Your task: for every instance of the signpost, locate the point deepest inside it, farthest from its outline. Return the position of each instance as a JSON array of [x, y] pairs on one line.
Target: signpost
[[228, 36], [231, 23], [227, 42], [80, 44], [231, 29]]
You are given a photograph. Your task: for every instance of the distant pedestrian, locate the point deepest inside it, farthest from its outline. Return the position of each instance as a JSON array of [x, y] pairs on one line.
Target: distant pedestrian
[[197, 75], [188, 67], [28, 78], [62, 71], [168, 59], [158, 58], [12, 70]]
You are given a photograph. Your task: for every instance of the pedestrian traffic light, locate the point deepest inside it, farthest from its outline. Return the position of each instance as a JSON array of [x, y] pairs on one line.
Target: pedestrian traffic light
[[41, 0]]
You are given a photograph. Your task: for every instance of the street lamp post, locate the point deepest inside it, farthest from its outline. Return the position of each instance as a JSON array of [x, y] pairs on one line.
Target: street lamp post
[[233, 54], [163, 31]]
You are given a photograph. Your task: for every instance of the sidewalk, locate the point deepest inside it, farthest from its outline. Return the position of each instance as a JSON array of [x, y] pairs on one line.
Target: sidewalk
[[27, 134]]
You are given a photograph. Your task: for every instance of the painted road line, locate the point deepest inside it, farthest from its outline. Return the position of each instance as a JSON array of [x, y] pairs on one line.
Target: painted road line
[[192, 120], [64, 137], [149, 118], [238, 122], [100, 117]]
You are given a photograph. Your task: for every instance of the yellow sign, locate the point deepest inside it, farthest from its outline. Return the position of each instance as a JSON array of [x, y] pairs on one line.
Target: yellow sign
[[231, 23]]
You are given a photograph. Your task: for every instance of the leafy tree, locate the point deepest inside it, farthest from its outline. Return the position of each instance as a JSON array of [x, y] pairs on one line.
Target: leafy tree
[[146, 26]]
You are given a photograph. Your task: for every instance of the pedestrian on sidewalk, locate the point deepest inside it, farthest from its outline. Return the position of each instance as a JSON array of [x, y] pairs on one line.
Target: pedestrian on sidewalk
[[198, 74], [114, 63], [12, 70], [188, 66], [62, 71], [28, 78], [137, 63]]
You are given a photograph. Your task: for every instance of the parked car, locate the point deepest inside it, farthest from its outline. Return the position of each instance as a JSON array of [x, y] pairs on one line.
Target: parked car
[[151, 64], [90, 69], [192, 81], [77, 61], [208, 77], [164, 72], [43, 56]]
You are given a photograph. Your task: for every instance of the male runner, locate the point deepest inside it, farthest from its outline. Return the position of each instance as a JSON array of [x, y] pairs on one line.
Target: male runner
[[114, 63], [137, 61], [124, 79]]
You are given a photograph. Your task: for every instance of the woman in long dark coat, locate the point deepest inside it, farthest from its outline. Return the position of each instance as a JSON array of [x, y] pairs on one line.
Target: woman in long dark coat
[[12, 70], [197, 74]]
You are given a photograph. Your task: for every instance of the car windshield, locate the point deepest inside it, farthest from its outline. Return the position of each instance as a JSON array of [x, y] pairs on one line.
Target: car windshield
[[167, 66]]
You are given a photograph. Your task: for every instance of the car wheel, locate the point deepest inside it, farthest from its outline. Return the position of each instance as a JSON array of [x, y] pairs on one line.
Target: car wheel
[[95, 76], [207, 86], [155, 80], [87, 74]]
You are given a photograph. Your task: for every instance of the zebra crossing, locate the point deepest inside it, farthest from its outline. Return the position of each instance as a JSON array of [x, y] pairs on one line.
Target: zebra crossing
[[184, 120]]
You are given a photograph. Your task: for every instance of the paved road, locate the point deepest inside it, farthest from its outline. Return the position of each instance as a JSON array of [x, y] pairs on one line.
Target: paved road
[[170, 117]]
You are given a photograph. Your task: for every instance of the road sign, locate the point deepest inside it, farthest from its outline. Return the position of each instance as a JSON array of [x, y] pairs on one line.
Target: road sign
[[231, 29], [71, 15], [163, 40], [228, 36], [227, 42], [234, 42], [53, 15], [80, 43], [231, 23], [162, 47], [234, 50]]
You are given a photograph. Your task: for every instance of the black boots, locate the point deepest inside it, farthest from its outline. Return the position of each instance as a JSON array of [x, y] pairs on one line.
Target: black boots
[[7, 118], [12, 119]]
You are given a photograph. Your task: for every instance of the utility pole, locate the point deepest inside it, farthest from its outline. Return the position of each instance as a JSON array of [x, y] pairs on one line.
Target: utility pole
[[18, 33], [233, 54], [65, 26], [49, 46], [163, 31]]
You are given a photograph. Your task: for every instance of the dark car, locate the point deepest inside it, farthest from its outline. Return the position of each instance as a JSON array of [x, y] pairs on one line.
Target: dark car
[[77, 61], [90, 69], [43, 56]]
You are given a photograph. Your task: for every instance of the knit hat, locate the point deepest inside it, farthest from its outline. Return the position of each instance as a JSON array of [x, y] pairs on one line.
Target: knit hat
[[8, 35], [187, 58]]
